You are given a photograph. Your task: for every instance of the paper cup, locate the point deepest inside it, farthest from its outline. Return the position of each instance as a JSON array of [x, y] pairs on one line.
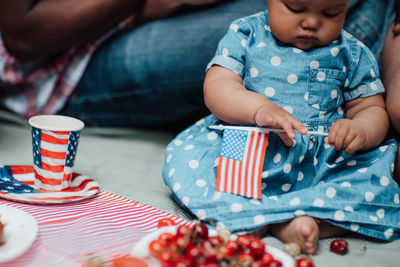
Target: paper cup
[[54, 140]]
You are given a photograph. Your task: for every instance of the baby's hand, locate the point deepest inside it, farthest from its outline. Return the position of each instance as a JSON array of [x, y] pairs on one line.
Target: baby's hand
[[272, 115], [347, 135]]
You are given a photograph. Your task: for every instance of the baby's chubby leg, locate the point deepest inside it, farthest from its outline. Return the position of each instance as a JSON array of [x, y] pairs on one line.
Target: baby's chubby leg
[[306, 232]]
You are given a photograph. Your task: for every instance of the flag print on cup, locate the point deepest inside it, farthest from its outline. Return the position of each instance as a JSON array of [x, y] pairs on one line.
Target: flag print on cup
[[54, 140]]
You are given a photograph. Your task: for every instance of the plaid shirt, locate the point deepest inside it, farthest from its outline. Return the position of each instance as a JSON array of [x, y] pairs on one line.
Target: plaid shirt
[[43, 86]]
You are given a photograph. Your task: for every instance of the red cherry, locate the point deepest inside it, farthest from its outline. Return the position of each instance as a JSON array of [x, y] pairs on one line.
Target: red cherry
[[257, 264], [155, 247], [257, 248], [267, 258], [232, 246], [245, 258], [182, 242], [304, 262], [182, 262], [228, 250], [223, 253], [183, 230], [208, 264], [166, 238], [339, 246], [200, 231], [215, 241], [165, 222], [210, 253], [274, 263], [244, 240], [168, 258], [193, 252]]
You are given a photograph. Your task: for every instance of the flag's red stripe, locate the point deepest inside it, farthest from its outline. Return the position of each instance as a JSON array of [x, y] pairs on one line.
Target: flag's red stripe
[[54, 140], [67, 177], [245, 179], [21, 169], [219, 173], [262, 158], [61, 132], [48, 181], [52, 168], [253, 169], [233, 176], [79, 187], [226, 175], [240, 176], [51, 154], [257, 136]]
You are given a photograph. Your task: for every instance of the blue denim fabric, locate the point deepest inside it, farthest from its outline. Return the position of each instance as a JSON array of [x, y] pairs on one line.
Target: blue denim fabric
[[368, 21], [152, 76]]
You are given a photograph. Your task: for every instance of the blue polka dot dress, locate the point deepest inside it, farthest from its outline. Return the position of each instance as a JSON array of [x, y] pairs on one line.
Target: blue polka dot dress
[[356, 191]]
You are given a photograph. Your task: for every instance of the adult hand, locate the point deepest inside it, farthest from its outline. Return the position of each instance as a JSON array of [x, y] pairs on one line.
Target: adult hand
[[396, 27], [156, 9]]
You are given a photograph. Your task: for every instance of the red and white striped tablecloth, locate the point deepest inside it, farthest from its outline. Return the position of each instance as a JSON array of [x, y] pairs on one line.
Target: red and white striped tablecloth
[[106, 225]]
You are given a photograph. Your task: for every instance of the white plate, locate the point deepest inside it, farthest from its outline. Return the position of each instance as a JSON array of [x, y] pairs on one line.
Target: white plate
[[20, 231], [140, 249]]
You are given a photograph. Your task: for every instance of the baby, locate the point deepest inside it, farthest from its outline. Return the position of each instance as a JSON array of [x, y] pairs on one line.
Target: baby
[[294, 68]]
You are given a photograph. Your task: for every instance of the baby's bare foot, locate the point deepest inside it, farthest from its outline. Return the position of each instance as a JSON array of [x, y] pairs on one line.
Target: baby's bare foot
[[302, 230]]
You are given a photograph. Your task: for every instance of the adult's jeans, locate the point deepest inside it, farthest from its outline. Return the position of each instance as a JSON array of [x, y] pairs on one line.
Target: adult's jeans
[[152, 76], [368, 20]]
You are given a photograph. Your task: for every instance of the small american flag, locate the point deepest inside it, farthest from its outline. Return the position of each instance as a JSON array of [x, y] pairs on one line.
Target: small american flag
[[241, 162], [53, 155]]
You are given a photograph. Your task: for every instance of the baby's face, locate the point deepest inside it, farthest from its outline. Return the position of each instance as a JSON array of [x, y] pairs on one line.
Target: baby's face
[[306, 24]]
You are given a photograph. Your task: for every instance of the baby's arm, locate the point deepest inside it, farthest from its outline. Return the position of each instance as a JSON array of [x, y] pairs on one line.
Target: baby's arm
[[228, 99], [364, 127]]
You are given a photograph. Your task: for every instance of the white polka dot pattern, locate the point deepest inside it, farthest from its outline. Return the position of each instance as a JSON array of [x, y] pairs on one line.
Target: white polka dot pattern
[[259, 219], [275, 61], [292, 78], [254, 72], [269, 91]]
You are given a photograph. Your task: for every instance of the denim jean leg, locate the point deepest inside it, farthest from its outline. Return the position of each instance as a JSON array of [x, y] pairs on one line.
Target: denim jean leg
[[152, 76], [368, 20]]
